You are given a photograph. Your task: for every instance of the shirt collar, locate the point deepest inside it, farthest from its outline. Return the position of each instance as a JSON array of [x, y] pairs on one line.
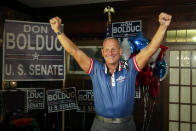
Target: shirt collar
[[123, 64]]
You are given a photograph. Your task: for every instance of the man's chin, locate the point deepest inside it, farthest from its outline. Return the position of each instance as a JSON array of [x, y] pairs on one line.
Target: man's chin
[[111, 62]]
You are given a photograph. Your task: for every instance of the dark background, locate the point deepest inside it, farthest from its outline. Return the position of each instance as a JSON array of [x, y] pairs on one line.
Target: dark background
[[86, 25]]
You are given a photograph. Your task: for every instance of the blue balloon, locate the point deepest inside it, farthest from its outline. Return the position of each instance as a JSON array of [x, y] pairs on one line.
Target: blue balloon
[[132, 47], [161, 69], [139, 42]]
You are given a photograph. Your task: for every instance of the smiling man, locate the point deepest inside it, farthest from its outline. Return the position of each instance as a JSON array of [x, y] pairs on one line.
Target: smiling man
[[113, 83]]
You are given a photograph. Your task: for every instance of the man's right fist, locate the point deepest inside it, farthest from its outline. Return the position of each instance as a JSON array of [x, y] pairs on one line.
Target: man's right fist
[[56, 24]]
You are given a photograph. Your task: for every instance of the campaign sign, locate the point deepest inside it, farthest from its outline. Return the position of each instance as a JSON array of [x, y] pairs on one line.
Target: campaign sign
[[31, 51], [86, 101], [35, 98], [126, 29], [61, 99]]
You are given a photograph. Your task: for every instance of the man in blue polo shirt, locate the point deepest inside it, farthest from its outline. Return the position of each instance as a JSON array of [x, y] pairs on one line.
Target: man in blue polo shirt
[[113, 84]]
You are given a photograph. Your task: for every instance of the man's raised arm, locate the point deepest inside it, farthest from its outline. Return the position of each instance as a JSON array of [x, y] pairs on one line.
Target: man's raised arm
[[143, 57], [82, 59]]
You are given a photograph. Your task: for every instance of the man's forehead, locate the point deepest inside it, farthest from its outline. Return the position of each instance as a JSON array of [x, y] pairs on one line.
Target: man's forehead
[[110, 40]]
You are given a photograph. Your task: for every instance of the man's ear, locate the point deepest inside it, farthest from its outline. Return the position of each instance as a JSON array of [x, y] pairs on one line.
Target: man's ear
[[102, 52], [121, 51]]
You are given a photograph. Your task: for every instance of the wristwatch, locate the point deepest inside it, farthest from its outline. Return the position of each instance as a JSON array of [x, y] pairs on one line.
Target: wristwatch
[[58, 33]]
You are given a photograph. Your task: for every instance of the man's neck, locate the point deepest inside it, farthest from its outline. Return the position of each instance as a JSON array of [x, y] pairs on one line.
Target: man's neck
[[112, 67]]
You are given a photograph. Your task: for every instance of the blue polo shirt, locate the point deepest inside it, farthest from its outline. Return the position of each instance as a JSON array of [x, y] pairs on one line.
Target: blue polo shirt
[[113, 94]]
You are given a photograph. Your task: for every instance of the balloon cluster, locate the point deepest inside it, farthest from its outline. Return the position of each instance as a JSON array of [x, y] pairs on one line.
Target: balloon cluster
[[156, 69]]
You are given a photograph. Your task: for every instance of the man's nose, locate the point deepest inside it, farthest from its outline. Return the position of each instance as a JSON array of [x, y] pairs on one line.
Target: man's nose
[[110, 52]]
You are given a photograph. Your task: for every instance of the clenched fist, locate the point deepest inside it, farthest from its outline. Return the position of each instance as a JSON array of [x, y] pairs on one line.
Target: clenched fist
[[165, 19], [56, 24]]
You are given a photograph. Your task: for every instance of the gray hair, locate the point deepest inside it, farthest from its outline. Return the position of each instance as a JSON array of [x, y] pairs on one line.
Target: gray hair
[[108, 38]]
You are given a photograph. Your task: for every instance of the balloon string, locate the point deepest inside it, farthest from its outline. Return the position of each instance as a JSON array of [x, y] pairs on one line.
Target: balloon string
[[148, 110], [152, 107], [146, 95], [144, 108]]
